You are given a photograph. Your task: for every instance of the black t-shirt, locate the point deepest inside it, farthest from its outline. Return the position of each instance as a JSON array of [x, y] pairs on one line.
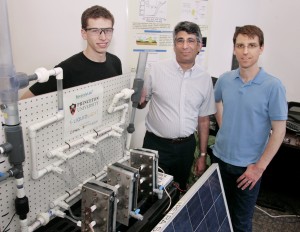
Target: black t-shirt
[[79, 70]]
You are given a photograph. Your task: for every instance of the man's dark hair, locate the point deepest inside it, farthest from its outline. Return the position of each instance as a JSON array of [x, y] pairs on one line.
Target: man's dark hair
[[95, 12], [188, 27], [251, 31]]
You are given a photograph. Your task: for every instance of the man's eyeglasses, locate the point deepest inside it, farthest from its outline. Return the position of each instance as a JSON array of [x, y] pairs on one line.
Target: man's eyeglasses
[[189, 41], [98, 31], [249, 46]]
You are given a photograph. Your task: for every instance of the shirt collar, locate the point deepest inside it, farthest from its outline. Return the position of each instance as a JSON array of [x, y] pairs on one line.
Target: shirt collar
[[180, 69], [258, 79]]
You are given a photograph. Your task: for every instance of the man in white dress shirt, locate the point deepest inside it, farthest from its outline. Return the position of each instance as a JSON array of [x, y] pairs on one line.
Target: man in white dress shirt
[[181, 99]]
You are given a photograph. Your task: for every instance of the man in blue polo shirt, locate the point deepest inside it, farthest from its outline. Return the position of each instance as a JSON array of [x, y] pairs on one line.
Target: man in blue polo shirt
[[251, 113]]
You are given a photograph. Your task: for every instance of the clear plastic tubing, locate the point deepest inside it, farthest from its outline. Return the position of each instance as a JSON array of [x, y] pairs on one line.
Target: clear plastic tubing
[[8, 85], [60, 94]]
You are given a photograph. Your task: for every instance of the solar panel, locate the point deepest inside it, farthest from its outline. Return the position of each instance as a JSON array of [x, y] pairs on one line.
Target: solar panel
[[203, 208]]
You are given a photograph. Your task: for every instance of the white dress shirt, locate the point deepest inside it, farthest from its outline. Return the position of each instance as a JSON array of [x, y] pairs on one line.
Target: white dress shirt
[[177, 99]]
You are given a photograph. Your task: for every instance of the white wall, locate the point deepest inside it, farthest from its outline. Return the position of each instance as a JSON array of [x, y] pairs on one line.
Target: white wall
[[226, 16], [281, 23]]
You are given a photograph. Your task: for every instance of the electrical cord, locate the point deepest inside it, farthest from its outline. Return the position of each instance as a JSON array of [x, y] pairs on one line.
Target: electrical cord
[[170, 202], [277, 216], [5, 229], [73, 215], [71, 219], [178, 188], [163, 171], [174, 184]]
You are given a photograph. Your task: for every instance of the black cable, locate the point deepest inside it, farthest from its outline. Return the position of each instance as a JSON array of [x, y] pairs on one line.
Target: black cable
[[4, 230], [78, 218], [96, 132], [68, 145]]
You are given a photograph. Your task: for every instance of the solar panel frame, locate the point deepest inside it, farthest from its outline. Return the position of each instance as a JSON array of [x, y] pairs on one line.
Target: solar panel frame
[[203, 208]]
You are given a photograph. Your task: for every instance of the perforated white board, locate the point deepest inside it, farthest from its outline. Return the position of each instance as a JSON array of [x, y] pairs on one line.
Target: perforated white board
[[51, 186]]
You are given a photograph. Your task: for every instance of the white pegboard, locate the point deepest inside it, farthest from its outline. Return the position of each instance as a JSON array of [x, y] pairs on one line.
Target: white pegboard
[[49, 187]]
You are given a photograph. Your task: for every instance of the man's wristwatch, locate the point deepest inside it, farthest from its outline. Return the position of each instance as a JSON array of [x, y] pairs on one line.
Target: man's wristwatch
[[203, 154]]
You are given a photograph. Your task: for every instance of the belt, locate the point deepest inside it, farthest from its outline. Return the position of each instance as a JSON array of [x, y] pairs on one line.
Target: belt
[[174, 141]]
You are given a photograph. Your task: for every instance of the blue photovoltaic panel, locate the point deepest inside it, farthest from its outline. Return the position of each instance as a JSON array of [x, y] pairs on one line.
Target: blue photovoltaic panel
[[203, 208]]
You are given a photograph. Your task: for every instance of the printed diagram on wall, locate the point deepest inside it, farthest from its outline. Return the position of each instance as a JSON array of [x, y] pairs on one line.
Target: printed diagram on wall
[[151, 24], [153, 10], [195, 11], [144, 40]]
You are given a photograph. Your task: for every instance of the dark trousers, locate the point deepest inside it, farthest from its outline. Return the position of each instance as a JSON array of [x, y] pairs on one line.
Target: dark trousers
[[240, 202], [175, 159]]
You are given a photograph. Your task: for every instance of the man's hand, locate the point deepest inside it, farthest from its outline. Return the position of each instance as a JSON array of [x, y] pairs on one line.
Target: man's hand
[[200, 165], [143, 101], [249, 177]]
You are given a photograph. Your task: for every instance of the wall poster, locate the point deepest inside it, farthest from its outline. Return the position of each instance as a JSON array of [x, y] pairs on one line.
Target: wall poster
[[151, 24]]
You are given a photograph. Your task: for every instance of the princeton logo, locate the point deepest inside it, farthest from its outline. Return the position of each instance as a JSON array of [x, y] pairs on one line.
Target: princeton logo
[[73, 109]]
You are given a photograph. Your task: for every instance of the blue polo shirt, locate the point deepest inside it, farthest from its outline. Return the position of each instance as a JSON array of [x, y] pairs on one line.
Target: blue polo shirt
[[248, 111]]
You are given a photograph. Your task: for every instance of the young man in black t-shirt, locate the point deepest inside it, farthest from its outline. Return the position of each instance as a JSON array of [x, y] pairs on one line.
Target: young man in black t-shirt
[[92, 64]]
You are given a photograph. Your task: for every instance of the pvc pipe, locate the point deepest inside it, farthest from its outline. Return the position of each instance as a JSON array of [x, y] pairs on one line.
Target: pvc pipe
[[42, 218], [106, 132], [37, 126], [76, 190], [118, 129], [20, 188], [81, 140], [124, 159], [62, 198], [43, 74], [115, 100], [86, 149], [78, 141], [136, 215], [73, 196], [109, 134], [123, 118], [124, 94], [35, 225], [90, 139], [24, 225], [35, 174]]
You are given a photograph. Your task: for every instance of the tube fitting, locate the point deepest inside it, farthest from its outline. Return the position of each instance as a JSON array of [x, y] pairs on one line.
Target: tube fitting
[[5, 148], [42, 74], [22, 207]]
